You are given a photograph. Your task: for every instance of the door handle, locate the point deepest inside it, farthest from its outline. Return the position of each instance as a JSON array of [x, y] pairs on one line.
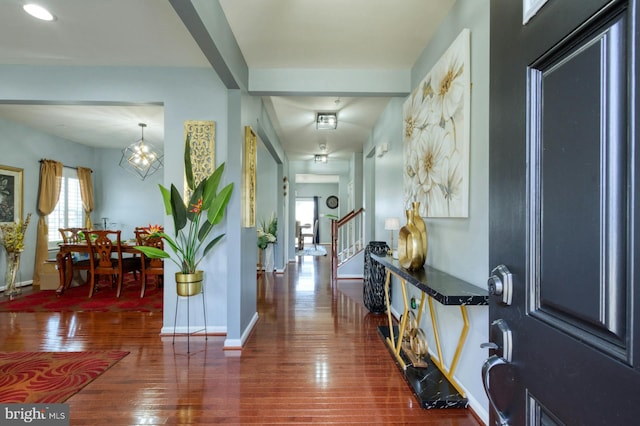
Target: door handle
[[491, 362], [501, 343], [501, 284]]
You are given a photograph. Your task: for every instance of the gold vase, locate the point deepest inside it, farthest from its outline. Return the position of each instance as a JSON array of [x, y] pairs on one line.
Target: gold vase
[[410, 253], [189, 284], [422, 227]]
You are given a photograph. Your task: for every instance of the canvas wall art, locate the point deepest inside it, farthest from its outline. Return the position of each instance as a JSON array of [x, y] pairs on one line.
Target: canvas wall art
[[436, 136]]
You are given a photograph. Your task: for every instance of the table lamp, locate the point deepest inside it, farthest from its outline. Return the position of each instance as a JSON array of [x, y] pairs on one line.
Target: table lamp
[[392, 224]]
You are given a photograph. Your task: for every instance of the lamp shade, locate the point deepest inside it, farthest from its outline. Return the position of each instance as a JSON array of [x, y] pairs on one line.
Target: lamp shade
[[391, 224]]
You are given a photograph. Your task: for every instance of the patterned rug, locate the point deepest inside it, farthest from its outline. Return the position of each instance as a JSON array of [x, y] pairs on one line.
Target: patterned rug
[[50, 377], [311, 251], [76, 299]]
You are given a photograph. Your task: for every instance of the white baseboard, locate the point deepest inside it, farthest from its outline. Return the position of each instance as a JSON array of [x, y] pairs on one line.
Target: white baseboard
[[239, 343]]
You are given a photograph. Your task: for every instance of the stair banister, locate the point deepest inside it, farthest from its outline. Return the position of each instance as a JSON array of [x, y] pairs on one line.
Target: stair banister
[[347, 234]]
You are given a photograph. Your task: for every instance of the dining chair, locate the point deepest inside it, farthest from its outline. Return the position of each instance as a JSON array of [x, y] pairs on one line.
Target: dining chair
[[74, 236], [105, 257], [299, 241], [154, 267], [313, 234]]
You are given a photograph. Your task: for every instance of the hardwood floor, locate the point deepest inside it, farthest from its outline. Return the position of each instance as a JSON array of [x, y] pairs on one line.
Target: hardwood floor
[[314, 357]]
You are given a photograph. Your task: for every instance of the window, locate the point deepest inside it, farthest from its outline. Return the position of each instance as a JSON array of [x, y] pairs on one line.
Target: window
[[68, 212]]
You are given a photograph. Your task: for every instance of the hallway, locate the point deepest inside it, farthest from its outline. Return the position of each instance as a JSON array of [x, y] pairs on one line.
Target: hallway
[[314, 357]]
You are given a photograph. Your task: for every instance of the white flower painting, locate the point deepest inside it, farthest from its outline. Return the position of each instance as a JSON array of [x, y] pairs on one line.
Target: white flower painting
[[436, 136]]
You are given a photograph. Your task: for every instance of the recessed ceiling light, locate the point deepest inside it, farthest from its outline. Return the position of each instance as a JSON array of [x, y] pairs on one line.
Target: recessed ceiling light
[[38, 12]]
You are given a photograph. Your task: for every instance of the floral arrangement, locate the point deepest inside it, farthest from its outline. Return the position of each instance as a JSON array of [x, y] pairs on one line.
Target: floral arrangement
[[192, 224], [12, 235], [151, 231], [268, 231]]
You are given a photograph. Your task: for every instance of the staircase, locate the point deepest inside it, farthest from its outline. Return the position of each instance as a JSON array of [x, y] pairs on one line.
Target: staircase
[[347, 246]]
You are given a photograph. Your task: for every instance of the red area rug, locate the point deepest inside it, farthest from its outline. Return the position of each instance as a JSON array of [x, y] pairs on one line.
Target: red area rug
[[50, 377], [76, 299]]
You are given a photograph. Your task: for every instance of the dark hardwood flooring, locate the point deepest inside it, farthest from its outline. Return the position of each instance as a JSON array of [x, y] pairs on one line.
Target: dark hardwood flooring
[[314, 357]]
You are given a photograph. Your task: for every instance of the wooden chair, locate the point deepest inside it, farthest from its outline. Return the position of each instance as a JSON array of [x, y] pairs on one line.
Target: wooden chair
[[74, 236], [105, 256], [299, 241], [153, 267], [313, 235]]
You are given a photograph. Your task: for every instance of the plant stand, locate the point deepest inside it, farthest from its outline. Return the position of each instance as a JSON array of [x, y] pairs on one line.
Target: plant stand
[[189, 332]]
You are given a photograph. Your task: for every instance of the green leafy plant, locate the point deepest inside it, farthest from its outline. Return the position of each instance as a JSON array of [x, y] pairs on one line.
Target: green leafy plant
[[268, 231], [192, 222]]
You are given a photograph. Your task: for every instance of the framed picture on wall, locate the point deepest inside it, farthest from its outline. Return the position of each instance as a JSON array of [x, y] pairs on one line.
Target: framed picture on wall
[[203, 150], [249, 178], [10, 194]]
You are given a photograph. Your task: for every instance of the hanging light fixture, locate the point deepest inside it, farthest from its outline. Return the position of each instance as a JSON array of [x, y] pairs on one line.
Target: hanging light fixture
[[141, 157]]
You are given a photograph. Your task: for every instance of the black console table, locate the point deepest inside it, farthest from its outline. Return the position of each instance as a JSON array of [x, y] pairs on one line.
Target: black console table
[[435, 385]]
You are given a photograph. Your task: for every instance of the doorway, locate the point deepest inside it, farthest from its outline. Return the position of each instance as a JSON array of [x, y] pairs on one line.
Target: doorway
[[305, 215]]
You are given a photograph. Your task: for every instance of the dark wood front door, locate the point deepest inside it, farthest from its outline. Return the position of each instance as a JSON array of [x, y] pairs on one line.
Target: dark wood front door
[[564, 214]]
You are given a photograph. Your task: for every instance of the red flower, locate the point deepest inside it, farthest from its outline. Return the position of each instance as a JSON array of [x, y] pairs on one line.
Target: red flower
[[197, 208], [152, 229]]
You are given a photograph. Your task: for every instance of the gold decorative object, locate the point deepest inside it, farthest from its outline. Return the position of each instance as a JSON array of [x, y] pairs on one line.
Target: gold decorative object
[[419, 344], [422, 227], [249, 179], [410, 253], [189, 284], [203, 150], [411, 327]]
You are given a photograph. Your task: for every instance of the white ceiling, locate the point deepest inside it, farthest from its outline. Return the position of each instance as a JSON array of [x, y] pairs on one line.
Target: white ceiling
[[355, 34]]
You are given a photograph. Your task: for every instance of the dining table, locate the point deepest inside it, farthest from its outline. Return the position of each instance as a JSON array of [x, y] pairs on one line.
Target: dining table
[[64, 259]]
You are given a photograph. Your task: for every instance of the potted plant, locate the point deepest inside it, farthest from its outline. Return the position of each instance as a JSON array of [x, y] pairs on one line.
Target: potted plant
[[267, 236], [193, 223]]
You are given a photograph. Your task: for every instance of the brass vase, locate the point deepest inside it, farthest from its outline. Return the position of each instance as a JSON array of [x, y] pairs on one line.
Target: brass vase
[[422, 227], [189, 284], [410, 253]]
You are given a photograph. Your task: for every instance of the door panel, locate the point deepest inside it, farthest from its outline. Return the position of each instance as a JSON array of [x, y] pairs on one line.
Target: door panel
[[563, 211], [578, 174]]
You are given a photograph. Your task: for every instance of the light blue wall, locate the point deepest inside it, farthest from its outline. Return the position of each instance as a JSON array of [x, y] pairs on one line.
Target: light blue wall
[[456, 246], [23, 147], [123, 198], [187, 94]]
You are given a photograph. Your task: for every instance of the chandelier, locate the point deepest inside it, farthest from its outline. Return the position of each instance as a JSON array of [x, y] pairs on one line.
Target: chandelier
[[141, 157]]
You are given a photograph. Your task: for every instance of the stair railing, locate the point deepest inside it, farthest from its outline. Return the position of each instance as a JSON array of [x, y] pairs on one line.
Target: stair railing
[[347, 238]]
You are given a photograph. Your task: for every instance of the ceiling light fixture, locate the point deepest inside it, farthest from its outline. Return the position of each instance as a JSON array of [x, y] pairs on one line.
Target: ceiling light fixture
[[326, 121], [141, 157], [38, 12], [322, 158]]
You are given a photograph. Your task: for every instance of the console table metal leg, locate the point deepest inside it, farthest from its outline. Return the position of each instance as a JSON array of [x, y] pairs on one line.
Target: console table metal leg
[[448, 373], [396, 343], [461, 340]]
